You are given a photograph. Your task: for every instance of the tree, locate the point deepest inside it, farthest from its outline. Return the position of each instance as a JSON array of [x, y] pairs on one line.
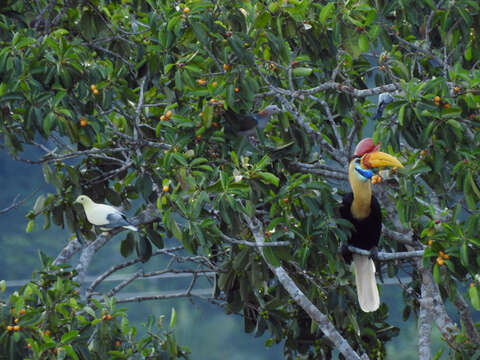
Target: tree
[[46, 319], [125, 100]]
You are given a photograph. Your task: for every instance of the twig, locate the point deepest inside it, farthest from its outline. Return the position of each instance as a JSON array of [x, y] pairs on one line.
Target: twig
[[331, 121], [384, 256], [16, 203], [318, 170], [466, 317], [254, 244]]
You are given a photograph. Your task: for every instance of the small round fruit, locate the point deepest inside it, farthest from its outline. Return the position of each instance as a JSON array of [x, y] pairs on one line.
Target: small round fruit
[[109, 317], [22, 312], [10, 328], [446, 106], [214, 84], [430, 242], [83, 122], [456, 89], [423, 152], [169, 114], [186, 10], [48, 332], [237, 90], [437, 99], [226, 67], [96, 92], [201, 82], [93, 87], [16, 327], [166, 188], [163, 118], [440, 261], [118, 343]]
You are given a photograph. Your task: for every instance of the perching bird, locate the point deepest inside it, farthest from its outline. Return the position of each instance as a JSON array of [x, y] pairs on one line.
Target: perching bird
[[246, 124], [105, 216], [383, 100], [362, 209]]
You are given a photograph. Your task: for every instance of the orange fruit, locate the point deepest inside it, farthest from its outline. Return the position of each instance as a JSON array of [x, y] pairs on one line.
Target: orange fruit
[[437, 99], [165, 188], [446, 106], [169, 114], [83, 122], [226, 67], [93, 87], [186, 10], [237, 90]]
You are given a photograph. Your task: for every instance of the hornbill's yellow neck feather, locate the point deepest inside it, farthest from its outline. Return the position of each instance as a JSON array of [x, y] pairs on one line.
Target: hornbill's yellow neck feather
[[362, 194]]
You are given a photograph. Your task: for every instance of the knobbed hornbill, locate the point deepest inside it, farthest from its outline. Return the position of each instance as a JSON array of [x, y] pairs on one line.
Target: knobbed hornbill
[[362, 209]]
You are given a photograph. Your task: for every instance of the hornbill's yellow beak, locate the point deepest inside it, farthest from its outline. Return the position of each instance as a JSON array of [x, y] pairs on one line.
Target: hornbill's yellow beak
[[379, 159]]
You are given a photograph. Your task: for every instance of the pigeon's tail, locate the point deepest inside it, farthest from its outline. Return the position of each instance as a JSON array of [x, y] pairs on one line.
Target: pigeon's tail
[[130, 227], [379, 112]]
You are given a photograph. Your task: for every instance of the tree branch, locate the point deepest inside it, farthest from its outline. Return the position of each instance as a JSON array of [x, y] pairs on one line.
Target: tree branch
[[385, 256], [299, 297], [254, 244]]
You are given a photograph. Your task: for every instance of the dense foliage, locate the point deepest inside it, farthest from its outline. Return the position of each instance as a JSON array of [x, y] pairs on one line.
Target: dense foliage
[[47, 320], [135, 91]]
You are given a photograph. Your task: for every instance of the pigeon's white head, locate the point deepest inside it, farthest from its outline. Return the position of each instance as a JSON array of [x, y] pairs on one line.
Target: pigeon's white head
[[84, 200]]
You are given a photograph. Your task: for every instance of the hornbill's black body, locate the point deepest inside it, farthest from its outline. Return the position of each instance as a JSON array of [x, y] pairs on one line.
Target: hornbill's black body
[[366, 233]]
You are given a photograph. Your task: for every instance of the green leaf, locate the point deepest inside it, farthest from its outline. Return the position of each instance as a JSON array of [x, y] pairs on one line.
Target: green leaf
[[144, 249], [270, 256], [127, 245], [30, 225], [269, 178], [474, 298], [326, 12], [302, 71], [173, 318], [69, 336], [363, 43], [436, 273]]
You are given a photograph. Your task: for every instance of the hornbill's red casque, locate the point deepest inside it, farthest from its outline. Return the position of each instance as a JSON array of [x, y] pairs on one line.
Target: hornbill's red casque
[[362, 209]]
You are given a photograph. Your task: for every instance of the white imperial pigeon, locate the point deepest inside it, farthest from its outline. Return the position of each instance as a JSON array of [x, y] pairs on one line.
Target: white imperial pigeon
[[105, 216]]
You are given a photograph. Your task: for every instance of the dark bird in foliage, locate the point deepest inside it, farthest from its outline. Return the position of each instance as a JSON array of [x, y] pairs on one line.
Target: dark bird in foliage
[[362, 209], [247, 124], [383, 100]]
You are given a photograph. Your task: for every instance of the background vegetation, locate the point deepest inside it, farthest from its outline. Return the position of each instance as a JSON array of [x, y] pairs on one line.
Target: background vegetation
[[124, 102]]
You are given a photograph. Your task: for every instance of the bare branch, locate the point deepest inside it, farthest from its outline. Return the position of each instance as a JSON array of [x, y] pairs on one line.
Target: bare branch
[[466, 317], [299, 297], [385, 256], [68, 251], [425, 317], [249, 243], [318, 169], [330, 120], [16, 203]]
